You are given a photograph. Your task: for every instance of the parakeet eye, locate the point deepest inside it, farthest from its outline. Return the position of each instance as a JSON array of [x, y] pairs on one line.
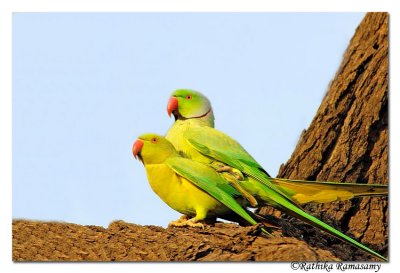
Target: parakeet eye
[[154, 140], [189, 97]]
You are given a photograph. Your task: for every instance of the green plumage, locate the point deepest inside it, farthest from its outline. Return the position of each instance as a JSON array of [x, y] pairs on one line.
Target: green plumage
[[209, 181], [193, 137], [192, 188]]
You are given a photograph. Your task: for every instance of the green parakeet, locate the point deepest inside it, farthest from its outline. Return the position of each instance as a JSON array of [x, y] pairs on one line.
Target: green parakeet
[[189, 187], [194, 137]]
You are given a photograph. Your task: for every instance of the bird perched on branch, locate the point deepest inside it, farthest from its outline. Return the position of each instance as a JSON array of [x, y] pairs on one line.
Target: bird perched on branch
[[203, 173], [194, 137]]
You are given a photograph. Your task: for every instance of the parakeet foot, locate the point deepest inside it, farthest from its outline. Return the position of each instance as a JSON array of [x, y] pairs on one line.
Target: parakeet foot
[[183, 218], [236, 173], [235, 183], [188, 223]]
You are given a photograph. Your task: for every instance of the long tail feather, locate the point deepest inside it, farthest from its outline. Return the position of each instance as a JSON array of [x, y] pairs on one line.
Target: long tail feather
[[293, 210], [323, 192]]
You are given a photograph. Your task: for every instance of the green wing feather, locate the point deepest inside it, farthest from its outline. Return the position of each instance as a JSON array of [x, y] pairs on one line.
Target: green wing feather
[[209, 181], [219, 146]]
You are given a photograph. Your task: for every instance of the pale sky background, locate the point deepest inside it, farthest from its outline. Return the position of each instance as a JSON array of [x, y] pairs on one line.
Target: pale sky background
[[85, 85]]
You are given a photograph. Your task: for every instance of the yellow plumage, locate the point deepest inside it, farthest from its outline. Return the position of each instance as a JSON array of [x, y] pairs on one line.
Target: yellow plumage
[[180, 194]]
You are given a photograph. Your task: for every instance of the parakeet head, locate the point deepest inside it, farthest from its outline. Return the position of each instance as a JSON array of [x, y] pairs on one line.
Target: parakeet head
[[152, 149], [189, 104]]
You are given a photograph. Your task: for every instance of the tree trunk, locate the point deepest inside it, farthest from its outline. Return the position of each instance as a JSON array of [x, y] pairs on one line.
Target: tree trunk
[[346, 141], [348, 137]]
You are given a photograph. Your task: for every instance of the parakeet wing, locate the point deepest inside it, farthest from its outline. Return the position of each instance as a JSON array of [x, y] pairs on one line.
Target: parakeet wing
[[217, 145], [209, 181]]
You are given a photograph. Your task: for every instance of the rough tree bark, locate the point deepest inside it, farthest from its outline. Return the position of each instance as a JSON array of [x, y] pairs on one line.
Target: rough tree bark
[[52, 241], [348, 137], [346, 141]]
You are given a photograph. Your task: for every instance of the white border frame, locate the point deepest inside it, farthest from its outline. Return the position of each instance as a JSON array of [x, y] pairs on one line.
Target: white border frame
[[8, 7]]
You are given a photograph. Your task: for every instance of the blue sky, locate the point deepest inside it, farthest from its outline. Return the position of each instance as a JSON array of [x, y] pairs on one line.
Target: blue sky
[[85, 85]]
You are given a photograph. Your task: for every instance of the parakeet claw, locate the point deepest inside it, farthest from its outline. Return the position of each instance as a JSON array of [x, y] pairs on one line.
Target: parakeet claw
[[235, 183], [182, 219], [181, 222], [237, 174]]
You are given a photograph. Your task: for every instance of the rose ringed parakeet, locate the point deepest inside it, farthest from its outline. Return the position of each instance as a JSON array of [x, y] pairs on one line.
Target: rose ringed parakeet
[[192, 109], [189, 187], [193, 137]]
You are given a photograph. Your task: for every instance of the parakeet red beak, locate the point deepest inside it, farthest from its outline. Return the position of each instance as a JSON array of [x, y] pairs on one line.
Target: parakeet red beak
[[172, 105], [137, 147]]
